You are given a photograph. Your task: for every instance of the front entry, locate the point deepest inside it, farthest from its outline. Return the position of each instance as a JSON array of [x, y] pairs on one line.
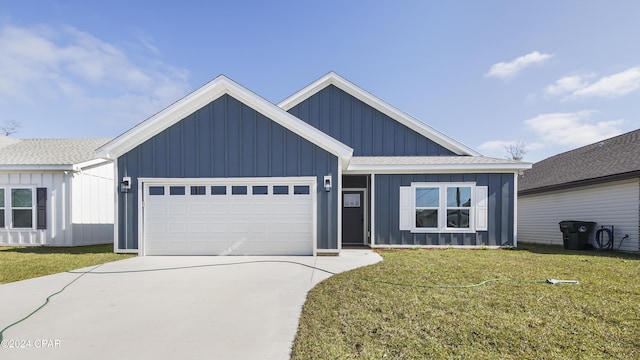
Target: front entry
[[353, 218]]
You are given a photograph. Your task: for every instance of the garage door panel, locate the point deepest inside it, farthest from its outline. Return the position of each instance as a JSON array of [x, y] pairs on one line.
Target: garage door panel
[[198, 209], [157, 228], [195, 227], [177, 209], [261, 209], [176, 227], [218, 228]]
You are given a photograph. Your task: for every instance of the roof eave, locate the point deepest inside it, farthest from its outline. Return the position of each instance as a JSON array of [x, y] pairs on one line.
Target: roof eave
[[440, 168], [35, 167], [578, 183], [334, 79]]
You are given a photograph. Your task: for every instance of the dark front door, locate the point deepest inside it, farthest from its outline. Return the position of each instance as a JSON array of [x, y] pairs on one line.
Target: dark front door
[[353, 217]]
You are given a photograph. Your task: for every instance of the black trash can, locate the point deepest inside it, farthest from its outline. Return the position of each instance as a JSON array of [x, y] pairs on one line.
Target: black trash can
[[575, 234]]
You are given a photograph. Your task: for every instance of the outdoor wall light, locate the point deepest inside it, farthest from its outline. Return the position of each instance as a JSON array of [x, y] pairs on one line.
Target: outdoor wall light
[[125, 185], [327, 183]]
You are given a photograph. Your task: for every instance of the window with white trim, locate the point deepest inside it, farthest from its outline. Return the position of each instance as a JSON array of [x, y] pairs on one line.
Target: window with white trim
[[22, 208], [2, 208], [458, 207], [443, 207]]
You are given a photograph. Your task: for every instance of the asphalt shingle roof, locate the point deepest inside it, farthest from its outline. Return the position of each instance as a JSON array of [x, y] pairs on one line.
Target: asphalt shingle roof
[[615, 156], [50, 151], [6, 141]]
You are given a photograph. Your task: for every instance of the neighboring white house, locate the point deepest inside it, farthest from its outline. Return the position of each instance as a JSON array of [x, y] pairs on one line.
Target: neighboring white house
[[55, 192], [598, 182]]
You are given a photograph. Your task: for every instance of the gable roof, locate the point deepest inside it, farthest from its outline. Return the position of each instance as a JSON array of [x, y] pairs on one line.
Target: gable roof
[[216, 88], [416, 125], [48, 154], [610, 159]]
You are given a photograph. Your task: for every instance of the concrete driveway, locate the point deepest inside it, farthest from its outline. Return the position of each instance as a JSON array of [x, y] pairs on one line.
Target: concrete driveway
[[238, 308]]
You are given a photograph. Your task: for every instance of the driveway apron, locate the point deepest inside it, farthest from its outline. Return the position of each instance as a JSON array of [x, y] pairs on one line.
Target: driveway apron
[[198, 308]]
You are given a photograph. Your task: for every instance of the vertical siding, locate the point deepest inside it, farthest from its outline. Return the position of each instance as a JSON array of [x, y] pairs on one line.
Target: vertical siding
[[614, 203], [500, 230], [58, 231], [365, 129], [92, 205], [227, 139]]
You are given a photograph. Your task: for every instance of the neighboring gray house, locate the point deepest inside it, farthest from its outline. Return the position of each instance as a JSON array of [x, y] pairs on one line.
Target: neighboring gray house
[[223, 171], [598, 182], [55, 192]]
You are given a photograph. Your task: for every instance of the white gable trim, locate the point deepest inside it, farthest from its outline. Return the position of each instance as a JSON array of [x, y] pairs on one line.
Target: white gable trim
[[416, 125], [203, 96]]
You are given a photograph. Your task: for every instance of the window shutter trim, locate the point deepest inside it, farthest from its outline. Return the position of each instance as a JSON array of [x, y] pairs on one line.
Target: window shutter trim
[[482, 208], [41, 208], [406, 209]]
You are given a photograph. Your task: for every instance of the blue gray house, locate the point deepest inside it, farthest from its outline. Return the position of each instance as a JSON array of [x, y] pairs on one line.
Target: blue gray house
[[225, 172]]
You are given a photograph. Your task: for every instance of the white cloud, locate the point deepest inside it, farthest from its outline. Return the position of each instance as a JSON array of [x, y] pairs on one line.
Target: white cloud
[[572, 129], [76, 70], [612, 86], [566, 85], [511, 68], [577, 87]]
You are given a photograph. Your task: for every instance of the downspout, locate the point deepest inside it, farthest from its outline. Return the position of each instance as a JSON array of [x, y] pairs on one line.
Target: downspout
[[515, 209], [372, 189]]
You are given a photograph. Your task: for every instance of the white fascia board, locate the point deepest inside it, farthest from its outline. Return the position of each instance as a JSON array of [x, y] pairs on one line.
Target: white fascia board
[[409, 121], [38, 168], [90, 163], [206, 94], [417, 169]]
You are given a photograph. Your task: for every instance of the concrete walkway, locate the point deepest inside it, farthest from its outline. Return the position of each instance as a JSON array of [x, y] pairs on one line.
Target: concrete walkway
[[225, 308]]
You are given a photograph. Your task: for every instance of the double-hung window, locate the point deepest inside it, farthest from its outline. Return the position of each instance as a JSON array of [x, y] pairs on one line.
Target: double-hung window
[[458, 207], [443, 207], [427, 205], [22, 208]]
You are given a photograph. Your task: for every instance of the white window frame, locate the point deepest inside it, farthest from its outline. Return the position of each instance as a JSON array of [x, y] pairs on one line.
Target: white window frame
[[442, 208], [8, 207], [4, 208]]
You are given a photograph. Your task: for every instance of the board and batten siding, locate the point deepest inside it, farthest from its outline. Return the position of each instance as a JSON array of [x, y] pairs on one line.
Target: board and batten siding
[[58, 231], [500, 211], [613, 203], [227, 139], [363, 128], [92, 210], [79, 207]]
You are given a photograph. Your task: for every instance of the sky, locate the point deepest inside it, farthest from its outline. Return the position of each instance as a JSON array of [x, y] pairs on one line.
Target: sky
[[553, 75]]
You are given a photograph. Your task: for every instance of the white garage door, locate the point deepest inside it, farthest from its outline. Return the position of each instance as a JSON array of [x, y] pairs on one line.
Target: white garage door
[[229, 217]]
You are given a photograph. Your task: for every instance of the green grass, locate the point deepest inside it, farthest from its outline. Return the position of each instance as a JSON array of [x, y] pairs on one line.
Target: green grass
[[357, 315], [20, 263]]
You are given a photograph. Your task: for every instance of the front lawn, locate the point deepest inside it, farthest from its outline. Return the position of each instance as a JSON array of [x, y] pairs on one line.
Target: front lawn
[[20, 263], [390, 311]]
